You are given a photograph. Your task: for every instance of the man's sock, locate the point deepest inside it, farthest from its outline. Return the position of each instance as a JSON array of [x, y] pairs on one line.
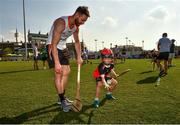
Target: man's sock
[[61, 96]]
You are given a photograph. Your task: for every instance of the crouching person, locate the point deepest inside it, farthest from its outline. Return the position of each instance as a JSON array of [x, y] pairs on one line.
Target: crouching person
[[102, 75]]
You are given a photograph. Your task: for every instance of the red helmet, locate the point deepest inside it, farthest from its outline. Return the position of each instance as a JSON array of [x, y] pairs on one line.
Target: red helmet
[[106, 53]]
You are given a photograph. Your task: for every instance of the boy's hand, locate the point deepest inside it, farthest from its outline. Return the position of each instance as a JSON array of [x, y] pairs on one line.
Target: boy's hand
[[117, 75], [106, 86]]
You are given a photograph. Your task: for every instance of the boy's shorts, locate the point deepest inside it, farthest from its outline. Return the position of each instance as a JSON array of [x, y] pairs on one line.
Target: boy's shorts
[[100, 79]]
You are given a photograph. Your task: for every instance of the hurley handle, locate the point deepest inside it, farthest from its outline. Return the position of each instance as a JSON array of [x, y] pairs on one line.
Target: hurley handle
[[78, 83]]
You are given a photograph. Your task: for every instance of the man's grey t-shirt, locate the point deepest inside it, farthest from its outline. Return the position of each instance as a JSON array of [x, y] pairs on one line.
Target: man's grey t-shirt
[[165, 44]]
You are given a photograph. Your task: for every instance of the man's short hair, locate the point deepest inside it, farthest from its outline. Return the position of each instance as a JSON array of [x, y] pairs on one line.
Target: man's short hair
[[164, 35], [173, 40], [83, 10]]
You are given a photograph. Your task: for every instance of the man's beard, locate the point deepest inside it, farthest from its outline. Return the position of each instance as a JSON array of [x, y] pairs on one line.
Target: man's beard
[[76, 22]]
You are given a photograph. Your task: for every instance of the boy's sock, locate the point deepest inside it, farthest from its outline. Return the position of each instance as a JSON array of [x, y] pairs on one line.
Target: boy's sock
[[96, 99], [96, 102], [109, 93]]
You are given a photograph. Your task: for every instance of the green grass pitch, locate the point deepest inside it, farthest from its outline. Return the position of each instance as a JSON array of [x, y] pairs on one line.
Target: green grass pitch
[[28, 96]]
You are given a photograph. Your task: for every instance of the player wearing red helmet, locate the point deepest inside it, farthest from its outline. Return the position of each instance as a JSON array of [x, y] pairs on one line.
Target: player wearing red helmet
[[103, 77]]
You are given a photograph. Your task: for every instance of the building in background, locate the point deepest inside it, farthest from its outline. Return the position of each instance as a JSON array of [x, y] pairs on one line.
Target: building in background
[[132, 51]]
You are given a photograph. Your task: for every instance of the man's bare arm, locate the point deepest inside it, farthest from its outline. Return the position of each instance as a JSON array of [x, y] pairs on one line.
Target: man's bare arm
[[59, 26], [77, 45]]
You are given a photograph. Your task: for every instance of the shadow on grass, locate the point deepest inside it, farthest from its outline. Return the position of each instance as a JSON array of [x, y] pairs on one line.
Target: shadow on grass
[[74, 117], [62, 117], [9, 72], [27, 115], [102, 102], [87, 111], [148, 80], [146, 72]]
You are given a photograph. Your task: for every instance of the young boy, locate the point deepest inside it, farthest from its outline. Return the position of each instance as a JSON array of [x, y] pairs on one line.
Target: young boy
[[154, 58], [103, 77]]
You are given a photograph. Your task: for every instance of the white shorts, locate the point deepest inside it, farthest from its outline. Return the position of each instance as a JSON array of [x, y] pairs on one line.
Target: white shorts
[[171, 55]]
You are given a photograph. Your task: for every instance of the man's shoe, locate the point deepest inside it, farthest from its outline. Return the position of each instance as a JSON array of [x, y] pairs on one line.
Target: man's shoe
[[68, 100], [66, 106]]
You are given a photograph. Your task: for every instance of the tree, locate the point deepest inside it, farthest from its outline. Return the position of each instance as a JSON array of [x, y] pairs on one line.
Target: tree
[[8, 50]]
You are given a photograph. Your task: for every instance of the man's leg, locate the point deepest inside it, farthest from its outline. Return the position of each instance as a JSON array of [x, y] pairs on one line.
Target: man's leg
[[34, 63], [64, 80], [59, 86], [170, 62], [159, 64], [124, 58], [165, 66], [65, 74], [37, 64], [60, 90], [162, 70]]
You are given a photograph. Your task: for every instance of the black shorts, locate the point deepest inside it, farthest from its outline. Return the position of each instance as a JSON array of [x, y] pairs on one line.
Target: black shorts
[[64, 59], [100, 79], [116, 55], [163, 56], [43, 58], [35, 58]]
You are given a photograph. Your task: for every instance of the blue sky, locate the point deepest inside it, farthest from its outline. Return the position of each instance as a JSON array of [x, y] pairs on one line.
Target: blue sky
[[111, 20]]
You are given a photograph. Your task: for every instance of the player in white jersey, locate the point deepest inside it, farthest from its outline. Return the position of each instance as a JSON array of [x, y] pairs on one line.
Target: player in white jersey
[[62, 28]]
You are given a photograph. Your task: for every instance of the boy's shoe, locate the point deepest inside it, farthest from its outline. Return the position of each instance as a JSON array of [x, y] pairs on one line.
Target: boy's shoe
[[109, 96], [96, 103], [66, 106]]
